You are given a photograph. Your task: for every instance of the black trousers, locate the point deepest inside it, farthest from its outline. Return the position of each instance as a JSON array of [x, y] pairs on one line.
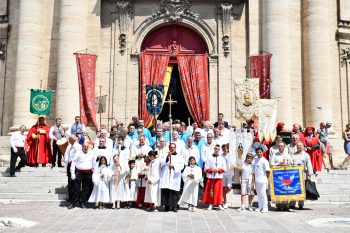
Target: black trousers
[[70, 183], [82, 187], [170, 198], [20, 153], [56, 152]]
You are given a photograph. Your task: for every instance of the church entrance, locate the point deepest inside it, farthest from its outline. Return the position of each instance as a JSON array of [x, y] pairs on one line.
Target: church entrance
[[168, 53], [179, 111]]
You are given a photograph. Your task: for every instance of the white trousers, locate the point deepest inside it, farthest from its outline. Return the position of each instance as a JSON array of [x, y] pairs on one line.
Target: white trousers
[[262, 196]]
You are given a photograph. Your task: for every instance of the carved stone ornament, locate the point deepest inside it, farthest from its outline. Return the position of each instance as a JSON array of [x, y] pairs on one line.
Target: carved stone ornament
[[174, 10], [225, 10], [226, 45], [123, 10], [122, 43], [2, 50]]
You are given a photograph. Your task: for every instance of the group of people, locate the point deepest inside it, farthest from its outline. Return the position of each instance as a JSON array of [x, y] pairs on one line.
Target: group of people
[[164, 168]]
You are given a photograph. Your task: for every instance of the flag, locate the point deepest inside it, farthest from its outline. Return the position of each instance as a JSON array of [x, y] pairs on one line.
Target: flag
[[259, 67], [154, 99], [287, 184], [100, 104], [246, 97], [86, 65], [267, 119], [40, 102]]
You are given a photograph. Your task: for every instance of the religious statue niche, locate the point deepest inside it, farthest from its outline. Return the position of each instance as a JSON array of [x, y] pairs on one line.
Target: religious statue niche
[[123, 11]]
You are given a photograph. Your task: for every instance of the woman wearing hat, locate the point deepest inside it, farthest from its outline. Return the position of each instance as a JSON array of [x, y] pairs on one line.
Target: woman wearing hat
[[312, 144]]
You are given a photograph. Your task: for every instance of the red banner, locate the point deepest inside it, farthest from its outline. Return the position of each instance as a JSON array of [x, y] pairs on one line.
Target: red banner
[[259, 67], [153, 68], [194, 79], [86, 65]]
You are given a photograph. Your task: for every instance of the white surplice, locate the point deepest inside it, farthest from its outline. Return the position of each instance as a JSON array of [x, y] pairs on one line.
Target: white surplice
[[152, 194], [191, 152], [190, 189], [171, 178], [100, 178], [119, 184]]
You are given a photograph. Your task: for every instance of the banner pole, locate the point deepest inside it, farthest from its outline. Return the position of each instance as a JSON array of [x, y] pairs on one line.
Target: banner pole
[[37, 126], [99, 105]]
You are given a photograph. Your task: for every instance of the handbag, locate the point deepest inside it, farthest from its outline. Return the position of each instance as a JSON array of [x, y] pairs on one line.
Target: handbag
[[311, 190]]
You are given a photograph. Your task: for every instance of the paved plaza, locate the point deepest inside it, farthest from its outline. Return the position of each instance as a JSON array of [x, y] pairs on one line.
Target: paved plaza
[[51, 218]]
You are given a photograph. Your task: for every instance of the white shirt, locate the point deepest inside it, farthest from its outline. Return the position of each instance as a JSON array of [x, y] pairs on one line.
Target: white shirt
[[103, 152], [189, 152], [71, 151], [83, 161], [218, 141], [109, 144], [215, 162], [180, 146], [261, 166], [138, 149], [52, 137], [225, 135], [247, 171], [17, 140], [206, 151]]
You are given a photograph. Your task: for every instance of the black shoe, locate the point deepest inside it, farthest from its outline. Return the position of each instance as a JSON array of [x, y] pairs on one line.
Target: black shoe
[[175, 210], [60, 165], [53, 165], [13, 175], [43, 165], [36, 165], [17, 170], [71, 206], [301, 207], [83, 206]]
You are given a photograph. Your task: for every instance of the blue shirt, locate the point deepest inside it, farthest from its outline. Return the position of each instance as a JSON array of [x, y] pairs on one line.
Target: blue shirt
[[133, 136], [147, 133], [199, 144], [184, 136]]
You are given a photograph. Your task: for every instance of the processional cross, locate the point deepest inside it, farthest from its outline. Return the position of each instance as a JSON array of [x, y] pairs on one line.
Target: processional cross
[[170, 101]]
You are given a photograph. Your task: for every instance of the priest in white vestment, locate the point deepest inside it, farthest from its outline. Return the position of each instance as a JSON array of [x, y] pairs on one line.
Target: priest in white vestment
[[170, 179], [102, 150], [190, 150]]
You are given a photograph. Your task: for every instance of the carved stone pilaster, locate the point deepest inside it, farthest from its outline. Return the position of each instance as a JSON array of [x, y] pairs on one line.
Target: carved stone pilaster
[[123, 11], [225, 11]]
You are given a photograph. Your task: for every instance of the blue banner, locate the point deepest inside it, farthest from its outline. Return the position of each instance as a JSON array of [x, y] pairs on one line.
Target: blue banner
[[286, 182], [154, 98]]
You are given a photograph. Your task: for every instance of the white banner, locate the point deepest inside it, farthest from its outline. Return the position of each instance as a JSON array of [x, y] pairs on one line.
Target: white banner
[[246, 97], [267, 119], [240, 143]]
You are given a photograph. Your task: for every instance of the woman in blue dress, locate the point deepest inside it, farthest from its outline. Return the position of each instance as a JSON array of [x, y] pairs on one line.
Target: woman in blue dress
[[346, 137]]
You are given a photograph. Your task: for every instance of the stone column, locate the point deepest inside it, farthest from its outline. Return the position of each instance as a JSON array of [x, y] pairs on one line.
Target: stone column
[[29, 63], [275, 40], [317, 62], [72, 38]]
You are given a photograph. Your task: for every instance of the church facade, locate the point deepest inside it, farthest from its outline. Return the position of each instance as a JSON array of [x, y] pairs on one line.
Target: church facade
[[308, 40]]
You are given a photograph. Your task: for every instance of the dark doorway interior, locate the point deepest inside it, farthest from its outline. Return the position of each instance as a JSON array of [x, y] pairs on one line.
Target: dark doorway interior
[[179, 110]]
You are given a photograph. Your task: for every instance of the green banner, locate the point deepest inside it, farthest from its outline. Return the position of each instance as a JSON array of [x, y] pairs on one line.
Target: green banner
[[40, 102]]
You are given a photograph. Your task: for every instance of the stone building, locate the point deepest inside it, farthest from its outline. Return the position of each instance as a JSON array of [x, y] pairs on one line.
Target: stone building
[[308, 40]]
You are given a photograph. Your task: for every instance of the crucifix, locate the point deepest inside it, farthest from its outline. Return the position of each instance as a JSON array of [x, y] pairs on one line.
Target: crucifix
[[170, 101]]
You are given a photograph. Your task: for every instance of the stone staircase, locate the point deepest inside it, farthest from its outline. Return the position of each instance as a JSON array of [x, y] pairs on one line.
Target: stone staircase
[[4, 150], [33, 184]]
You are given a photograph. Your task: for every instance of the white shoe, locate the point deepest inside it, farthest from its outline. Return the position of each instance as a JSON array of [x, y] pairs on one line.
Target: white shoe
[[225, 205], [193, 209], [210, 207], [240, 209], [250, 209], [258, 210], [190, 208], [221, 207], [264, 211]]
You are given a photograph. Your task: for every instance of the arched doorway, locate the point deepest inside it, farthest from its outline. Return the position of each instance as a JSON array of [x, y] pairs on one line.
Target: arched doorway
[[175, 40]]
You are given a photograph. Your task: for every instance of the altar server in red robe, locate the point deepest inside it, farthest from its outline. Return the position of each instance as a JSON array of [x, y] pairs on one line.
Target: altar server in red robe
[[38, 141], [215, 167], [312, 143]]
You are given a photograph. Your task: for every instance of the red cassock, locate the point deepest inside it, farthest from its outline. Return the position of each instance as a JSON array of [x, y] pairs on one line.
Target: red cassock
[[213, 192], [39, 149], [315, 155]]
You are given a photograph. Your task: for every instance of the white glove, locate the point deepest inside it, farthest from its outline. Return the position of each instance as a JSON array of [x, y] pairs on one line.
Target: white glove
[[15, 149], [73, 176]]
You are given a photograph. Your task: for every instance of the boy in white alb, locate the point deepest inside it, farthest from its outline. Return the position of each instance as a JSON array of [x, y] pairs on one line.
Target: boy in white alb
[[246, 180], [261, 174]]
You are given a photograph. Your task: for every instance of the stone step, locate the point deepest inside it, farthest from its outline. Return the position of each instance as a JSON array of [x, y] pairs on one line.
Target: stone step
[[33, 196], [33, 179], [19, 189], [38, 169], [42, 174], [334, 191], [332, 181], [29, 185], [334, 198], [332, 186]]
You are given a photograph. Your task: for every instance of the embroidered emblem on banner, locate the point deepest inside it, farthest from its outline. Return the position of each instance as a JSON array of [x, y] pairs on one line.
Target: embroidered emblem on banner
[[154, 98]]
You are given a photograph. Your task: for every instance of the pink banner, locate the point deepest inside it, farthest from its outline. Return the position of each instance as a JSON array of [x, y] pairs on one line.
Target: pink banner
[[86, 65]]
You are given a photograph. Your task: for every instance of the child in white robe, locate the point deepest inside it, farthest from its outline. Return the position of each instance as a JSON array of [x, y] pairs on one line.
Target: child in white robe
[[133, 177], [100, 193], [152, 194], [119, 190], [228, 175], [192, 176]]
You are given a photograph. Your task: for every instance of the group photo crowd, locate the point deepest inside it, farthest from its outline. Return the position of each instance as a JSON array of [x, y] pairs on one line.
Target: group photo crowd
[[171, 165]]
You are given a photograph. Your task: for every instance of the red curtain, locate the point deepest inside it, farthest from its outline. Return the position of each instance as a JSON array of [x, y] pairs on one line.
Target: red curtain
[[86, 65], [193, 71], [153, 68], [259, 67]]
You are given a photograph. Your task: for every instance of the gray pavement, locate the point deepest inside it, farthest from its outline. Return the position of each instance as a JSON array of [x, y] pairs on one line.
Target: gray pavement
[[51, 218]]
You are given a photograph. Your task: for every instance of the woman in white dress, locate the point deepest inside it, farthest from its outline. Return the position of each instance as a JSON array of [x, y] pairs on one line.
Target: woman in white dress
[[192, 176], [100, 193]]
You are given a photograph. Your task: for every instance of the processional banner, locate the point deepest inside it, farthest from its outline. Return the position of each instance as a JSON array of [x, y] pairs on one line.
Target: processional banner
[[40, 102], [154, 99], [240, 142], [86, 66], [287, 184], [246, 97], [259, 67], [267, 119]]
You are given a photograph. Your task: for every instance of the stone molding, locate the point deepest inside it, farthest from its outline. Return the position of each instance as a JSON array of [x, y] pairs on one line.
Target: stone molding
[[124, 10]]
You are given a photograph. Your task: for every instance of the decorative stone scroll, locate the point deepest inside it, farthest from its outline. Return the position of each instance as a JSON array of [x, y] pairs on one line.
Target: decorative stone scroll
[[174, 10]]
